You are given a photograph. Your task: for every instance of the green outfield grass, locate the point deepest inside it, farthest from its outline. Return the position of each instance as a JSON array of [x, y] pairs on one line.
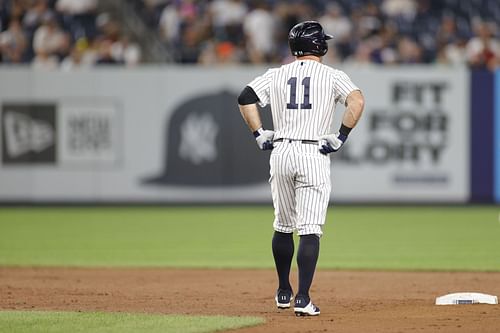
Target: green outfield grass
[[394, 238], [75, 322]]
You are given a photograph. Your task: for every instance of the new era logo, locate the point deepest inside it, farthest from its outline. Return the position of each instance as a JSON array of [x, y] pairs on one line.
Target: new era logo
[[28, 133], [24, 134]]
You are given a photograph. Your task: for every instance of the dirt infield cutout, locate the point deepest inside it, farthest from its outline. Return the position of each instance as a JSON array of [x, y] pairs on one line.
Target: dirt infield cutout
[[359, 301]]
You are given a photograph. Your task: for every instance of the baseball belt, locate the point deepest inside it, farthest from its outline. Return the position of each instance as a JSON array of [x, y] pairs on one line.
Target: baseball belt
[[307, 142]]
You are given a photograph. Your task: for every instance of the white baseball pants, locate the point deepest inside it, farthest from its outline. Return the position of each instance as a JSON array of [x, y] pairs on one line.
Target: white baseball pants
[[300, 185]]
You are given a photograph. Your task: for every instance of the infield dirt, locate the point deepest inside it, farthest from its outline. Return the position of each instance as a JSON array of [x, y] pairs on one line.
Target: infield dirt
[[350, 301]]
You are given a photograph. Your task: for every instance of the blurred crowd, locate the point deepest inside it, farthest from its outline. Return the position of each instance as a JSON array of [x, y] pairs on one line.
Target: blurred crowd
[[65, 34], [73, 33], [366, 31]]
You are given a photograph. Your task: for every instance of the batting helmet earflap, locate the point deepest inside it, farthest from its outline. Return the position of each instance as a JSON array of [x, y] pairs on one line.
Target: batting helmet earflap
[[308, 38]]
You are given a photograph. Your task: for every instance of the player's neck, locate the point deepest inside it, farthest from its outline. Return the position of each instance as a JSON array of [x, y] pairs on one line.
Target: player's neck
[[309, 57]]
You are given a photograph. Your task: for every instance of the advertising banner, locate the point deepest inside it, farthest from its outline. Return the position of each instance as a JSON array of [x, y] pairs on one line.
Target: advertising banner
[[89, 132], [412, 143], [174, 134]]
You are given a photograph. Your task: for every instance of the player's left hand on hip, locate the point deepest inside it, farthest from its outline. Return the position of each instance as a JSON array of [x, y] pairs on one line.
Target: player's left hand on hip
[[264, 138], [331, 143]]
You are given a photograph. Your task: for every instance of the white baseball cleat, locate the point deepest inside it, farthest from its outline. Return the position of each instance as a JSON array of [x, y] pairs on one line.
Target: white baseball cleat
[[283, 298], [309, 310]]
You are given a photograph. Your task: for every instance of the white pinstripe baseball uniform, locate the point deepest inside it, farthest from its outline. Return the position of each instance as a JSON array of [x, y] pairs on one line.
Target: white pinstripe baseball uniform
[[302, 95]]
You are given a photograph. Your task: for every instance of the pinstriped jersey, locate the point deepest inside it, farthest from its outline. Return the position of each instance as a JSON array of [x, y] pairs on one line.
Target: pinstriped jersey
[[302, 95]]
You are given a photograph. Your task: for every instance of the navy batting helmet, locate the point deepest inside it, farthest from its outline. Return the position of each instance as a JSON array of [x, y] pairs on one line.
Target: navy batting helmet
[[308, 38]]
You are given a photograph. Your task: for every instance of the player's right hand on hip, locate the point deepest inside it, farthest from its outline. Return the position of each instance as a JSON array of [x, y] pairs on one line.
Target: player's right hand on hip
[[264, 138], [331, 143]]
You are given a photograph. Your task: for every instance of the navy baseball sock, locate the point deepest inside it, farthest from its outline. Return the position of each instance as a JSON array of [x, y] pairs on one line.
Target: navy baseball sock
[[283, 248], [307, 256]]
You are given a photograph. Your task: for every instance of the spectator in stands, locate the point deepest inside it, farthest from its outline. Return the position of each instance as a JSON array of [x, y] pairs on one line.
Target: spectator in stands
[[409, 51], [50, 40], [170, 24], [208, 54], [16, 9], [34, 15], [108, 28], [450, 44], [341, 26], [399, 8], [362, 55], [383, 45], [13, 43], [228, 53], [78, 16], [126, 52], [369, 23], [190, 49], [225, 31], [453, 53], [227, 17], [89, 49], [75, 58], [46, 41], [259, 28], [105, 54], [152, 9], [112, 46], [483, 51], [447, 32], [287, 15]]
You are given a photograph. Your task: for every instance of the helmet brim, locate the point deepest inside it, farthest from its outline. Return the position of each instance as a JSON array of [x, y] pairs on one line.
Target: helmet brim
[[328, 36]]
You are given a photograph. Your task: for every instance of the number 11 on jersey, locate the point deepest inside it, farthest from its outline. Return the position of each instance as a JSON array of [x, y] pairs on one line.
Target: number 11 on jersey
[[292, 82]]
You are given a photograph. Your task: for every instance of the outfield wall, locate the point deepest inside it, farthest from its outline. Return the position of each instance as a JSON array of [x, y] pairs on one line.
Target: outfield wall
[[496, 136], [174, 134]]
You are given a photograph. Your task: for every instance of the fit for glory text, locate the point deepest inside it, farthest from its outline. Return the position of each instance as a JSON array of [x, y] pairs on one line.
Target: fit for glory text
[[414, 130]]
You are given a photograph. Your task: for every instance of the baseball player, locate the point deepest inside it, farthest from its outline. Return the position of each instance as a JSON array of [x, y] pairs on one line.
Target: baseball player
[[302, 95]]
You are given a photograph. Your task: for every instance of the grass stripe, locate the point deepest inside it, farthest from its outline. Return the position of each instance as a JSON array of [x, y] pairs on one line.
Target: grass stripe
[[395, 238], [100, 322]]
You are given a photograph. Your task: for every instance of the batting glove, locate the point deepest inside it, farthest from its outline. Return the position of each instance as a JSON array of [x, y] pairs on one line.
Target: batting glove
[[331, 143], [264, 138]]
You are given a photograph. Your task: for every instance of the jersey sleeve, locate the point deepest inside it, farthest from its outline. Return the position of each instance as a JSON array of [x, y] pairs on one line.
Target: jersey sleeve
[[343, 87], [262, 86]]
